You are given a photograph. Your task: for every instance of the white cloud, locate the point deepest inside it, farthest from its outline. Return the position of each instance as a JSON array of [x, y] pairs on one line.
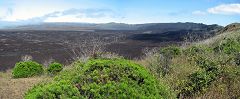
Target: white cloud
[[73, 18], [76, 15], [199, 13], [226, 9], [27, 9], [5, 12], [42, 11], [92, 15], [82, 15]]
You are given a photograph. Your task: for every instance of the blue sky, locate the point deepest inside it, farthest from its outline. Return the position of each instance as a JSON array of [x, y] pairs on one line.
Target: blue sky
[[220, 12]]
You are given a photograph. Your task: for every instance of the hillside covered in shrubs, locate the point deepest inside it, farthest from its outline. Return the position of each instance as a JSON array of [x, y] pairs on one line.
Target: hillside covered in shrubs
[[207, 69], [102, 78]]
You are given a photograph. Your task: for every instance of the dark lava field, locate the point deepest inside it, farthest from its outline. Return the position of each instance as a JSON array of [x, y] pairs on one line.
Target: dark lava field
[[46, 45], [57, 43]]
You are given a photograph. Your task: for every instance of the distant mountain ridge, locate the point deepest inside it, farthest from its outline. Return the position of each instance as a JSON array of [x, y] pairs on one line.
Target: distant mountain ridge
[[231, 27], [114, 26], [176, 32]]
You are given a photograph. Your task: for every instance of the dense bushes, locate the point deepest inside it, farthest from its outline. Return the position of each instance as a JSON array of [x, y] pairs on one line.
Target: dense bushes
[[171, 51], [55, 90], [199, 81], [118, 79], [54, 68], [200, 72], [165, 59], [228, 46], [31, 68], [104, 78], [196, 50], [214, 63], [27, 69]]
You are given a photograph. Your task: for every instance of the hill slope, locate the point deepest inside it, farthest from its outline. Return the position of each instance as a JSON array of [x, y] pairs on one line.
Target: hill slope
[[230, 31], [206, 70]]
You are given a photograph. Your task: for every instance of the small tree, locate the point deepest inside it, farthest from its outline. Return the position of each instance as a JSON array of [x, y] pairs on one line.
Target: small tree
[[27, 69], [167, 54], [159, 61], [54, 68], [91, 47]]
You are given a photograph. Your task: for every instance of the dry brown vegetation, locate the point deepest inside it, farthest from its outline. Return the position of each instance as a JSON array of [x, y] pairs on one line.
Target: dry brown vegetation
[[225, 86], [16, 88]]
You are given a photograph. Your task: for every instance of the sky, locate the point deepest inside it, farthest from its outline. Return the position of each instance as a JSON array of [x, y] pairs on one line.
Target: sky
[[220, 12]]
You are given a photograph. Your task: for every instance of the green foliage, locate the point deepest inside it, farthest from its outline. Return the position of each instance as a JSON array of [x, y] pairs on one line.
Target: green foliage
[[228, 46], [27, 69], [54, 68], [206, 64], [106, 78], [214, 70], [154, 62], [118, 78], [199, 81], [195, 50], [69, 74], [230, 77], [171, 51], [54, 90], [164, 59]]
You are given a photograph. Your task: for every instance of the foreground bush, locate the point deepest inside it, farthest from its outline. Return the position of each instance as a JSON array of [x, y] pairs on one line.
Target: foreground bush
[[54, 68], [62, 89], [105, 78], [27, 69]]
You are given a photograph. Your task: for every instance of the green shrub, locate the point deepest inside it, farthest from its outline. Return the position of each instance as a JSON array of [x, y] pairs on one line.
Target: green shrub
[[70, 73], [118, 78], [164, 59], [27, 69], [228, 46], [171, 51], [199, 81], [195, 50], [54, 68], [206, 64], [109, 78], [55, 90]]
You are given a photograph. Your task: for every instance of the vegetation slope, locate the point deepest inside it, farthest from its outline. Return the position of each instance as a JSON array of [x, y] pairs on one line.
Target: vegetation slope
[[207, 69]]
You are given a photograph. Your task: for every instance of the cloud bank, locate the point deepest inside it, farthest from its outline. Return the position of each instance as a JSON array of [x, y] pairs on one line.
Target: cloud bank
[[90, 15], [76, 14], [225, 9]]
